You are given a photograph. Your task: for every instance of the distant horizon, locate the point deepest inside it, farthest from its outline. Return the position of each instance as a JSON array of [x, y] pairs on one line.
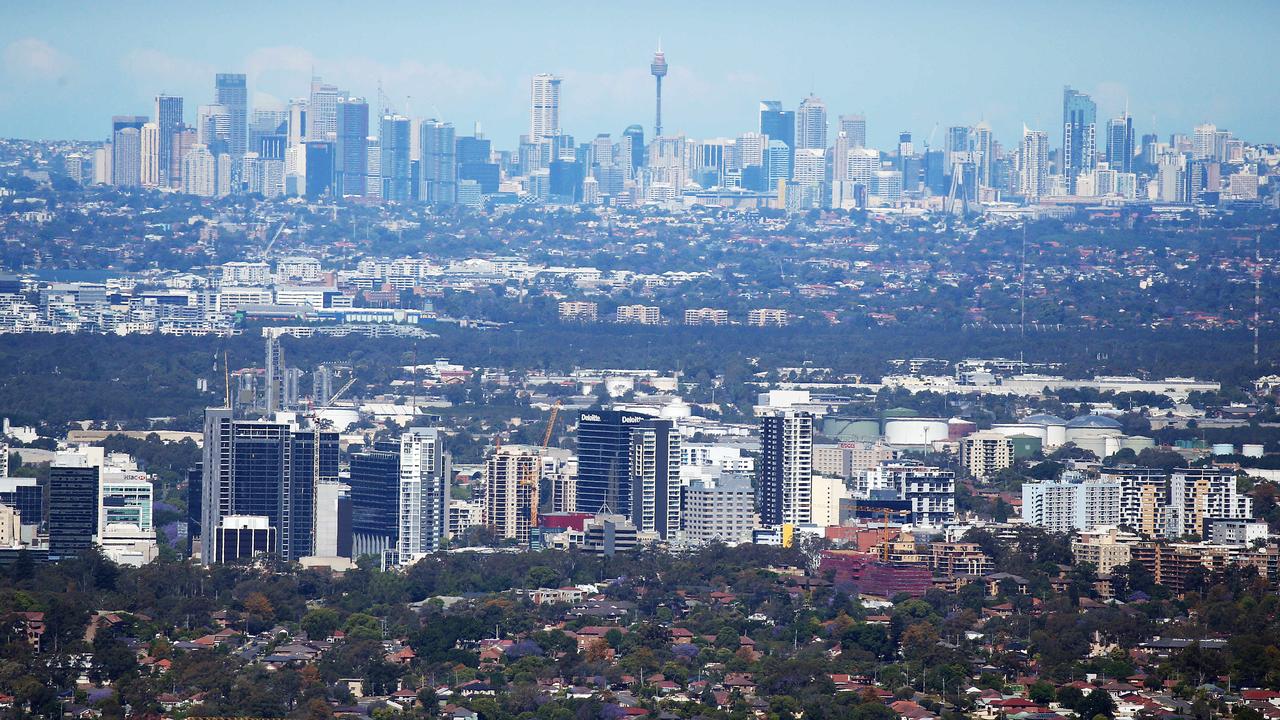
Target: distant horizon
[[1170, 64]]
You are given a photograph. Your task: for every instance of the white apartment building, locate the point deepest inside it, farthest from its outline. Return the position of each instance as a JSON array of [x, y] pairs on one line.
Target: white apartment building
[[639, 314], [1200, 494], [424, 493], [245, 273], [231, 299], [511, 480], [983, 454], [721, 510], [1065, 506], [298, 269], [849, 459], [764, 317], [828, 491]]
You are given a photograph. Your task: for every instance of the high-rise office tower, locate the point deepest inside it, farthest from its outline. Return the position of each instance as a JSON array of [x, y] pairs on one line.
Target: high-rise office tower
[[439, 163], [658, 68], [544, 107], [26, 495], [778, 124], [375, 492], [1079, 135], [322, 111], [424, 493], [318, 169], [750, 148], [267, 470], [1120, 145], [199, 174], [351, 159], [170, 121], [313, 461], [275, 375], [373, 165], [124, 497], [1203, 141], [126, 152], [512, 477], [474, 159], [958, 146], [73, 509], [269, 133], [150, 155], [777, 163], [983, 153], [855, 126], [394, 145], [1033, 159], [629, 464], [230, 91], [633, 140], [213, 128], [785, 492], [297, 129], [811, 124], [126, 149]]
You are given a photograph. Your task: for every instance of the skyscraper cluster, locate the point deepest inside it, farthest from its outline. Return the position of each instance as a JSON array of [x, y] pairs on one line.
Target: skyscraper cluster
[[329, 145]]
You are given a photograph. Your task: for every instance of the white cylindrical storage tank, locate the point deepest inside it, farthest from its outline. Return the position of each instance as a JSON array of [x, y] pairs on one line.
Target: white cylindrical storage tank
[[1096, 444], [1253, 450], [1087, 426], [1055, 428], [617, 386], [1112, 444], [1011, 429], [1224, 449], [341, 417], [915, 431], [675, 410], [1137, 443]]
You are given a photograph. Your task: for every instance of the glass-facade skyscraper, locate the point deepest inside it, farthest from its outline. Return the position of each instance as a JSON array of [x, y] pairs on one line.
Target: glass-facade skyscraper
[[169, 118], [394, 141], [231, 92], [628, 464], [351, 158], [375, 482], [439, 163], [73, 509], [1079, 135], [1120, 145], [263, 469]]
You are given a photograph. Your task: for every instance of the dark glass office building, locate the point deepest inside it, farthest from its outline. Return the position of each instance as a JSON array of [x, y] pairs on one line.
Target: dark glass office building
[[320, 170], [267, 470], [73, 510], [394, 139], [25, 495], [375, 487], [777, 123], [314, 460], [566, 181], [608, 442], [351, 161]]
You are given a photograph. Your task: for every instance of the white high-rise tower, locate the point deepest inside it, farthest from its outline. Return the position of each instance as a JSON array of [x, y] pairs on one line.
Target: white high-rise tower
[[424, 493], [544, 107]]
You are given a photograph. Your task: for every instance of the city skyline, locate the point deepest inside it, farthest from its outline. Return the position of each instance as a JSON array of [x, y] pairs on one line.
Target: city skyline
[[58, 85]]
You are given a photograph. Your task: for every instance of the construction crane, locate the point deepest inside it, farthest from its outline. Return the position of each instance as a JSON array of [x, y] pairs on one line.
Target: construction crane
[[532, 479], [266, 251], [341, 391]]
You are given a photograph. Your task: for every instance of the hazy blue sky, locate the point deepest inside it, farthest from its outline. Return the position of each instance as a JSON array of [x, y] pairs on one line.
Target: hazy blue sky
[[66, 67]]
